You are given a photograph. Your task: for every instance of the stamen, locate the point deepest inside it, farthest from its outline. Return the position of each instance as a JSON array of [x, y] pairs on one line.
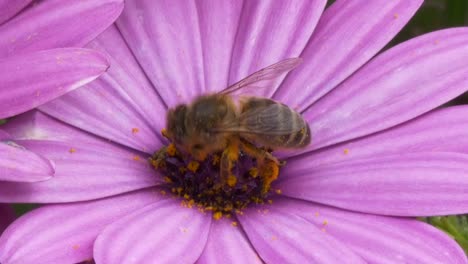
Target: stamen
[[199, 183]]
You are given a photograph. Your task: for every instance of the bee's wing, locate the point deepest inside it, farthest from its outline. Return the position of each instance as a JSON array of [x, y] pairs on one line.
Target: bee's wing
[[268, 73], [268, 120]]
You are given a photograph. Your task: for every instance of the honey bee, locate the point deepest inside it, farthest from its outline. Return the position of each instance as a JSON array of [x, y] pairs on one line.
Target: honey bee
[[213, 123]]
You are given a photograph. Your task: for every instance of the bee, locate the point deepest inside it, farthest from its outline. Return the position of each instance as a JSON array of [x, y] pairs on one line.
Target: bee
[[214, 122]]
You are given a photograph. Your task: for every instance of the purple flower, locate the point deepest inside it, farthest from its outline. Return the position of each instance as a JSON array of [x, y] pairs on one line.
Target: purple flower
[[37, 64], [381, 152]]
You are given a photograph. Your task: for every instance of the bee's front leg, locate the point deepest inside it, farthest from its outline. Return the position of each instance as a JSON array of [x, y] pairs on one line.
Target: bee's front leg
[[228, 158]]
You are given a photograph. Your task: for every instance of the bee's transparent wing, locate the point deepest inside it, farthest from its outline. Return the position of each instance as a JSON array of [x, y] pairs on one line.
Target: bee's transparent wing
[[268, 73], [269, 120]]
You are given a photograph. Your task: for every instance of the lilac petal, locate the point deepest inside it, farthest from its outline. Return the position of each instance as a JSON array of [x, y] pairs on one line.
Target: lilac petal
[[165, 38], [36, 125], [10, 8], [163, 231], [4, 135], [66, 233], [57, 24], [427, 133], [377, 238], [415, 184], [270, 31], [38, 77], [122, 92], [219, 21], [345, 39], [282, 237], [227, 243], [20, 165], [83, 171], [396, 86], [7, 215]]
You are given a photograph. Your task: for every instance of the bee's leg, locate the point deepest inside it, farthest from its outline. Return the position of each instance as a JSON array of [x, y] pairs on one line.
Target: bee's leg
[[228, 158], [259, 153], [164, 133], [268, 166]]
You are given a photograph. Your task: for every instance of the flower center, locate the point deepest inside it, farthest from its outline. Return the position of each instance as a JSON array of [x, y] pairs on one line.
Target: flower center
[[200, 183]]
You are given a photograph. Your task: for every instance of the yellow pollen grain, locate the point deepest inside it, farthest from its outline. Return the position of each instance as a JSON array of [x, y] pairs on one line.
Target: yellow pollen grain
[[215, 160], [171, 150], [193, 166], [274, 238], [278, 191], [234, 223], [317, 214], [167, 179], [231, 180], [253, 172], [186, 196], [217, 215], [346, 151], [76, 247], [395, 16], [325, 222], [136, 158], [270, 201], [163, 192], [191, 202], [72, 150]]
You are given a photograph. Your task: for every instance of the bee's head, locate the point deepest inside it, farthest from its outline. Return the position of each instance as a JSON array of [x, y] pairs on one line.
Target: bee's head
[[175, 124]]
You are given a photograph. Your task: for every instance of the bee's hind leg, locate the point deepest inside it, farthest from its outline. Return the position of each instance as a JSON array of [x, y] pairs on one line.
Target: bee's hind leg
[[261, 154], [268, 166]]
